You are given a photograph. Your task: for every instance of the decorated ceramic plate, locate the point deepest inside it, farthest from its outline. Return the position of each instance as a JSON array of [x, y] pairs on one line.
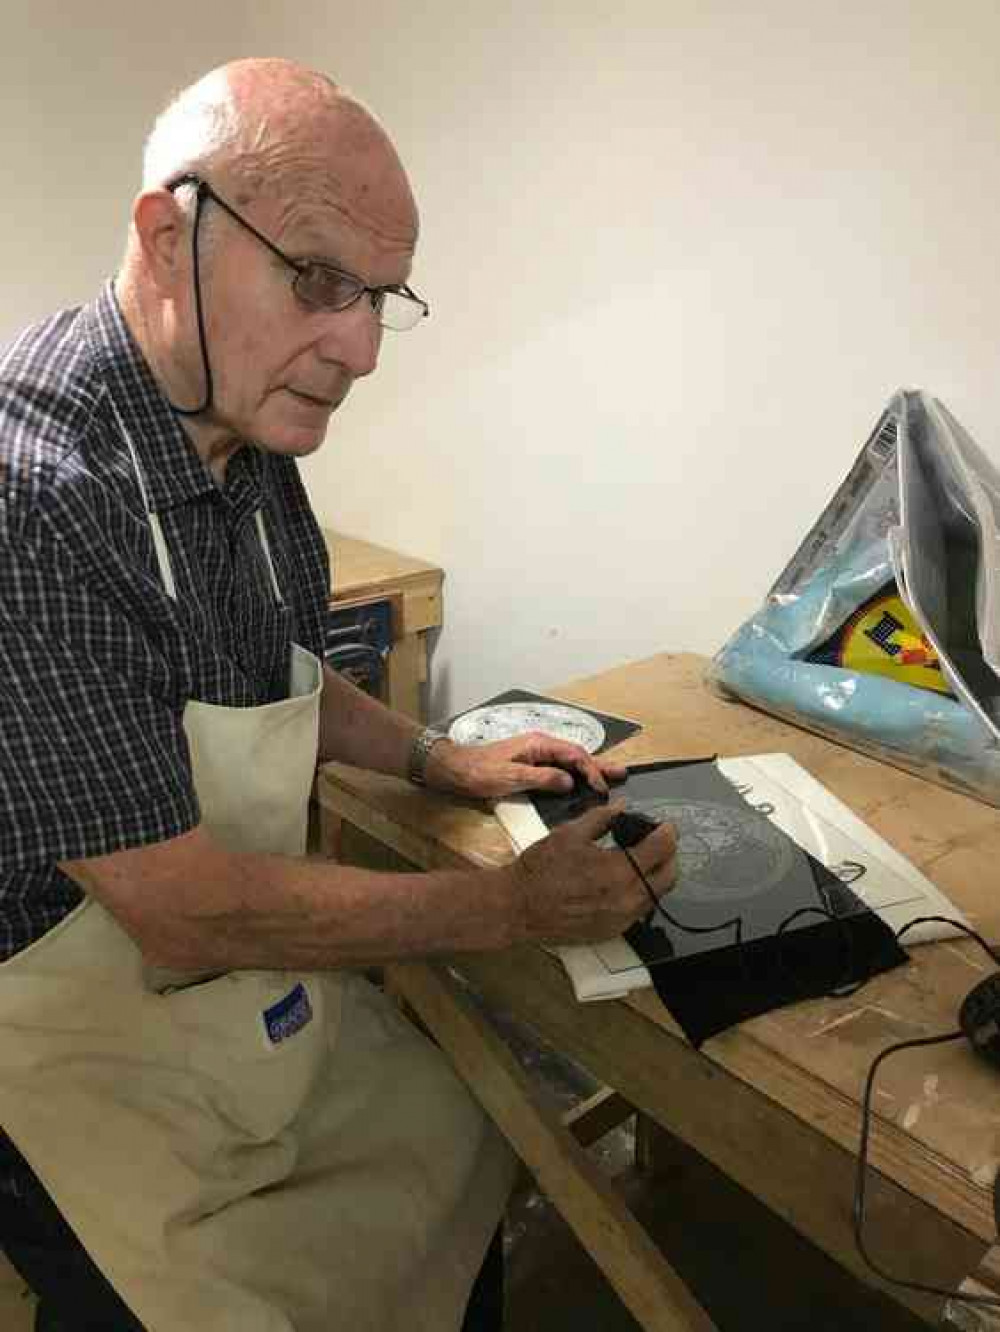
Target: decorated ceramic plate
[[500, 722]]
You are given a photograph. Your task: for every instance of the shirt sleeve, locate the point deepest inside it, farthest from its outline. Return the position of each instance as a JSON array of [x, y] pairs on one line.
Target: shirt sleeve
[[93, 756]]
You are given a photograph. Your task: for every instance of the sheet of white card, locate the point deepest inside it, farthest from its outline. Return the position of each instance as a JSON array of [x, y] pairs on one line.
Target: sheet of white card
[[813, 817]]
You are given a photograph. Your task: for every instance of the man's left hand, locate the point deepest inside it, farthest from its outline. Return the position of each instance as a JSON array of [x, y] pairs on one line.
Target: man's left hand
[[532, 762]]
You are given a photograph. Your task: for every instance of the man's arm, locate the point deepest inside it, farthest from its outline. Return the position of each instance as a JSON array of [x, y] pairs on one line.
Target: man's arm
[[189, 904], [356, 728]]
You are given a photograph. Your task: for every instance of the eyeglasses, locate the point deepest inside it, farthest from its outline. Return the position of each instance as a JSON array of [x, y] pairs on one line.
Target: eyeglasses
[[321, 286]]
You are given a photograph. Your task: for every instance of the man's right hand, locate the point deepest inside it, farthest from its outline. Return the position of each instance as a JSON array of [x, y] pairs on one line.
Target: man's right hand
[[570, 891], [192, 905]]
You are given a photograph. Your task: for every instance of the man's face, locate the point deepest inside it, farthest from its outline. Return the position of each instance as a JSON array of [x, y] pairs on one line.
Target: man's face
[[281, 368]]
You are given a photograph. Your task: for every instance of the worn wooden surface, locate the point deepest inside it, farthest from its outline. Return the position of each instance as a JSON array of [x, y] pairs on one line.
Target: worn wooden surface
[[796, 1075], [363, 569]]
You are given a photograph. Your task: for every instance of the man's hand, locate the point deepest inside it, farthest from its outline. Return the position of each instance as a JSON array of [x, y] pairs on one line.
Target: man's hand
[[532, 762], [571, 891]]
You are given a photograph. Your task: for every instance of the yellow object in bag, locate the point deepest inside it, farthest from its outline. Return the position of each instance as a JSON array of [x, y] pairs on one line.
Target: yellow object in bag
[[883, 638], [883, 629]]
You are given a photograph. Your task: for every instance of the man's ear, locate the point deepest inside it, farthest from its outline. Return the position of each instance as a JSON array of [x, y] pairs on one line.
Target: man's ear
[[163, 231]]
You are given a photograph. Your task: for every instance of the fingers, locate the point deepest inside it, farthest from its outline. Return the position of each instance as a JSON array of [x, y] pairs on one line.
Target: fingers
[[564, 778], [656, 858], [611, 771], [597, 772], [561, 780], [547, 764], [556, 762], [655, 852], [595, 822], [556, 780], [572, 891], [593, 772], [590, 826], [655, 849]]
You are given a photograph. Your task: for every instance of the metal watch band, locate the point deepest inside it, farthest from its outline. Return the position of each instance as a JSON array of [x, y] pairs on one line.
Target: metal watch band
[[416, 767]]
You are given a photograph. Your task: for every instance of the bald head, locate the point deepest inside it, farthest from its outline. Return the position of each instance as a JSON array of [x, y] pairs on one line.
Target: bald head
[[296, 178], [274, 127]]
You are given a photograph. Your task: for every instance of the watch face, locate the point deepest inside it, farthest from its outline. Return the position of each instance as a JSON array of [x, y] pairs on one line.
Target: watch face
[[483, 725]]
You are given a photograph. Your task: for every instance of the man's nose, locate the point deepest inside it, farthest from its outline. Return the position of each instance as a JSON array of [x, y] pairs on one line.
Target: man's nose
[[352, 337]]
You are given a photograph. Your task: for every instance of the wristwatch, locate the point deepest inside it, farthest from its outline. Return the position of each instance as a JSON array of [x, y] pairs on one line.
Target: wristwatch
[[416, 767]]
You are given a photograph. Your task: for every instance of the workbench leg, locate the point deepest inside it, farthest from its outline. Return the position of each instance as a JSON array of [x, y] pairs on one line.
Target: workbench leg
[[587, 1200], [403, 669]]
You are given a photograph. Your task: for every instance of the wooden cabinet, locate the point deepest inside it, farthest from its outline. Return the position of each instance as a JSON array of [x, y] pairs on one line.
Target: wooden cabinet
[[367, 576]]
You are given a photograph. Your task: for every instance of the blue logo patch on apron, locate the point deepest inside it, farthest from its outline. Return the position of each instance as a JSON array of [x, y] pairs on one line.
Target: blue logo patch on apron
[[288, 1015]]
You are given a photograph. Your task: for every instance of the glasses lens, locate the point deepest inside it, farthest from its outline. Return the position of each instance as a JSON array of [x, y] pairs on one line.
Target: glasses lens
[[400, 312], [327, 288]]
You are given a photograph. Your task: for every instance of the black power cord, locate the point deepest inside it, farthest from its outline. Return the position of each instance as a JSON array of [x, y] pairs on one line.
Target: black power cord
[[983, 1301], [627, 835]]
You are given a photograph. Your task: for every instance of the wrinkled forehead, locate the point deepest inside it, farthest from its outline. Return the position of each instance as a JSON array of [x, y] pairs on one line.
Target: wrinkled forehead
[[336, 165]]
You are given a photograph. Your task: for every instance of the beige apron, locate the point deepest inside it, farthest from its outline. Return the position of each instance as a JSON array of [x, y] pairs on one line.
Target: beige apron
[[257, 1151]]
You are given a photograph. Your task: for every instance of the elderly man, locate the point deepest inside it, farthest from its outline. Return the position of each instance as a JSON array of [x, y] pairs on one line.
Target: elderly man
[[214, 1121]]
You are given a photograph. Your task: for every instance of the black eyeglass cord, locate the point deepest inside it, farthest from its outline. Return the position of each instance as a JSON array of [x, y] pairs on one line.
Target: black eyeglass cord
[[861, 1177], [199, 310]]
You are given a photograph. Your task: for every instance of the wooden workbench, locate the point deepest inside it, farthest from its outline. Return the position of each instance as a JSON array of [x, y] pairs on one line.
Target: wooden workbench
[[362, 571], [775, 1102]]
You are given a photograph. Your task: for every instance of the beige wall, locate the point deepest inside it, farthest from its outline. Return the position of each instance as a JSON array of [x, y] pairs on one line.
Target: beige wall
[[79, 85], [678, 255]]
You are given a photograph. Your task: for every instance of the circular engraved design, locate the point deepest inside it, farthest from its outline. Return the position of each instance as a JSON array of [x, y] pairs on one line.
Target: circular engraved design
[[724, 853], [503, 720]]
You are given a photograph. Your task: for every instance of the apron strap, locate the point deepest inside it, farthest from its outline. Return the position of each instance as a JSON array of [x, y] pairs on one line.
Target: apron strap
[[162, 555], [266, 547], [156, 527]]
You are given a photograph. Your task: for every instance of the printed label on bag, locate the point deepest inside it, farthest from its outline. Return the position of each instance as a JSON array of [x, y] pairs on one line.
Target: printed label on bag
[[288, 1016], [883, 638]]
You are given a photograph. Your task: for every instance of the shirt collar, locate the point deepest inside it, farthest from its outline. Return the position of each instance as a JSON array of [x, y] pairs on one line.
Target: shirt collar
[[172, 470]]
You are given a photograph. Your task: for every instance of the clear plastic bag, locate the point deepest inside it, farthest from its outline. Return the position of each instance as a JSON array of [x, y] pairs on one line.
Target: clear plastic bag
[[918, 518]]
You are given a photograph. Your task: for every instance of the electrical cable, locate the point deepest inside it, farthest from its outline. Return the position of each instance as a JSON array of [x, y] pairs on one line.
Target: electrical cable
[[858, 1211], [736, 922], [660, 909], [858, 1208]]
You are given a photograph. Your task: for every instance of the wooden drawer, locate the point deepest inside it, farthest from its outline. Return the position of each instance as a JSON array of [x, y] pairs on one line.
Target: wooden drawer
[[359, 637]]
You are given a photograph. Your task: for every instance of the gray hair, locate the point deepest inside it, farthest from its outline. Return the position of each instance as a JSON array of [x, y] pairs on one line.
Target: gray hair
[[200, 128]]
